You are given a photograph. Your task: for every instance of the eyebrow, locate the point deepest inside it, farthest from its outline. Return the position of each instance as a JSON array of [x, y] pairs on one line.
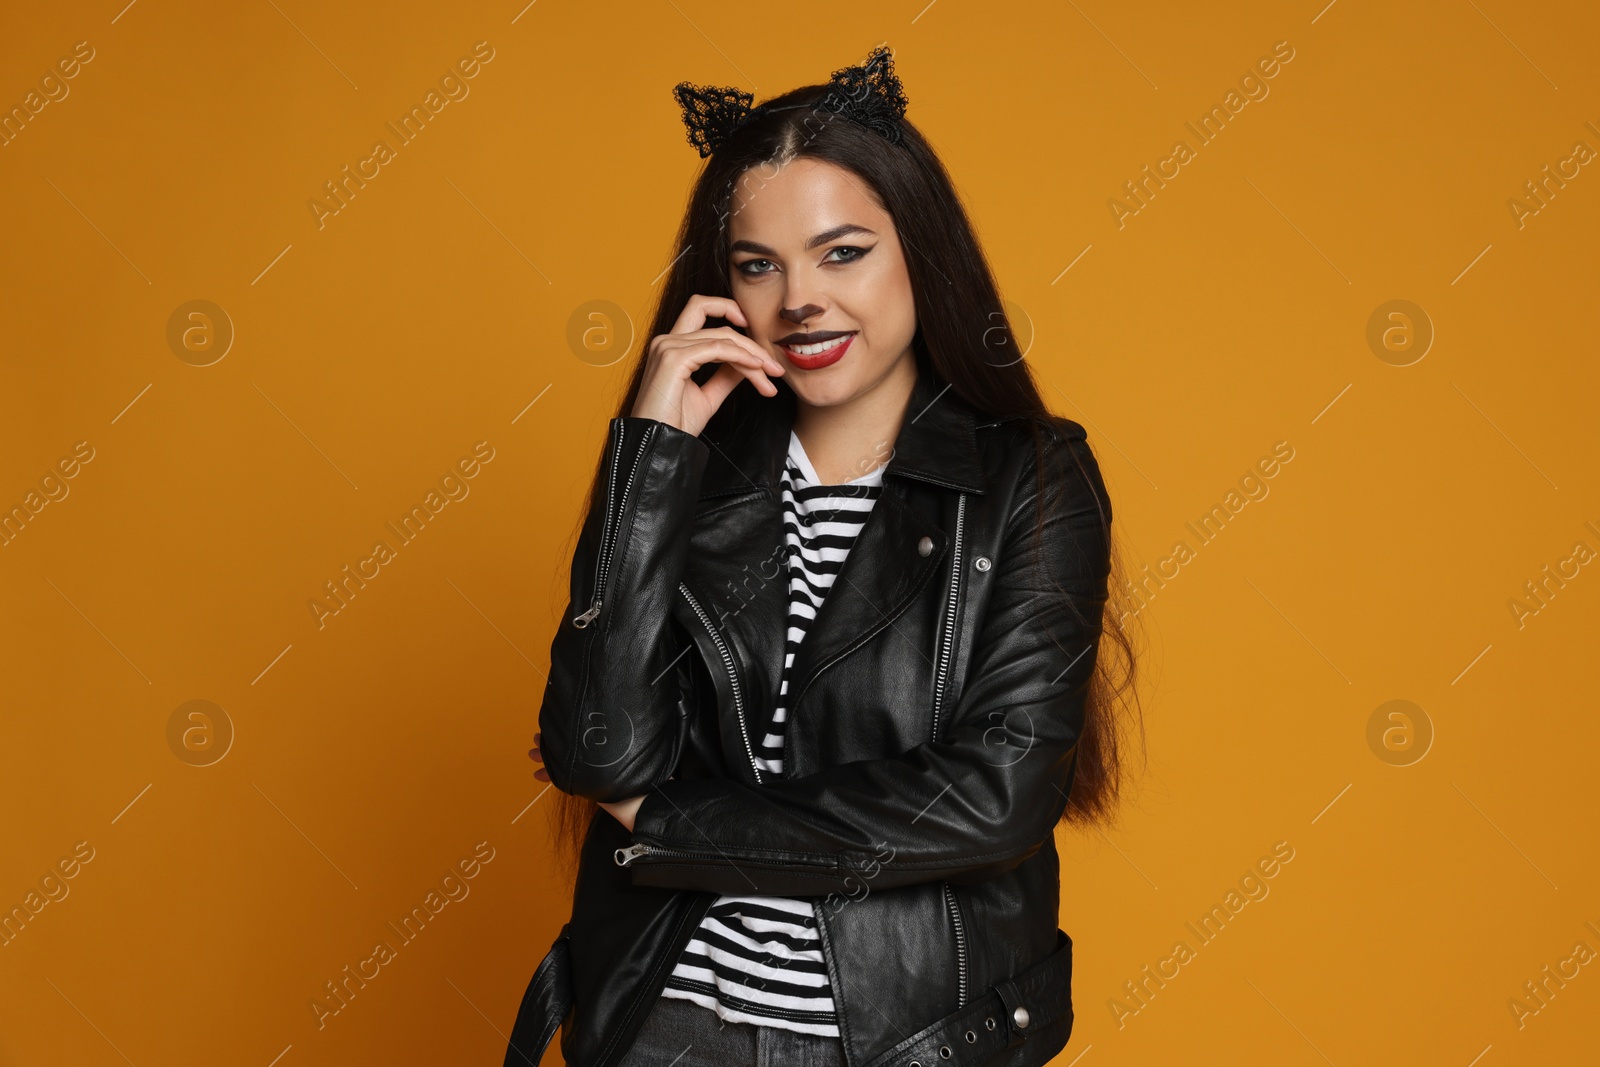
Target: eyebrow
[[820, 239]]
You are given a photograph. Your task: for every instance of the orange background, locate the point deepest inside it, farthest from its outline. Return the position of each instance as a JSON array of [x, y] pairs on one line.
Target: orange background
[[373, 752]]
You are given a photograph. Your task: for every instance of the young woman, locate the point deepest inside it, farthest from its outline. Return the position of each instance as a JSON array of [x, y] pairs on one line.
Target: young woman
[[832, 669]]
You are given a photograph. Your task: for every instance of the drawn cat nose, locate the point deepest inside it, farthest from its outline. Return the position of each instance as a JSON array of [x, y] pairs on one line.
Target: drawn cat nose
[[800, 314]]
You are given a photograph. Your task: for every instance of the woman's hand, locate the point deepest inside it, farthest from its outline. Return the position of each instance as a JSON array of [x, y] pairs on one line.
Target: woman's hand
[[533, 754], [625, 810], [668, 394]]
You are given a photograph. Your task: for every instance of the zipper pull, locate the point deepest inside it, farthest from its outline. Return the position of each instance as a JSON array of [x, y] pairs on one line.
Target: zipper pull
[[580, 621], [625, 856]]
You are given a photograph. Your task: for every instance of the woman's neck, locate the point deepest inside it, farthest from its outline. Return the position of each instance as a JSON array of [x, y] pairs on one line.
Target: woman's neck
[[845, 441]]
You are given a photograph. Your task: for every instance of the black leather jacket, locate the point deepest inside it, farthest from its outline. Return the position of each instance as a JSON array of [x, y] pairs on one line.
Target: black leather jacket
[[936, 704]]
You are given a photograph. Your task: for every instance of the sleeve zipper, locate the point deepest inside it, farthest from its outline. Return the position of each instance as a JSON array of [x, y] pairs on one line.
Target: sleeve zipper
[[625, 857], [613, 519]]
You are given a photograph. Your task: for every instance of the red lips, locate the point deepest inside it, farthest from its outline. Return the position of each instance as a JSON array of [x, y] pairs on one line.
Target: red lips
[[821, 359]]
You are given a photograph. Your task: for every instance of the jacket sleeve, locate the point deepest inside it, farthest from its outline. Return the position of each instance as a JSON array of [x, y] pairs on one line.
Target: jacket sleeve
[[967, 807], [610, 717]]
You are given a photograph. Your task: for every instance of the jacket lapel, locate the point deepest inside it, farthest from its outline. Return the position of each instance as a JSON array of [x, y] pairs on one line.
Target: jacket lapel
[[878, 579]]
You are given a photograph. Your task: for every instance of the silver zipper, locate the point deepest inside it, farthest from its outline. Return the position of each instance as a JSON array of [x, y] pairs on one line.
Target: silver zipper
[[961, 945], [625, 856], [947, 647], [608, 532], [950, 617], [733, 676]]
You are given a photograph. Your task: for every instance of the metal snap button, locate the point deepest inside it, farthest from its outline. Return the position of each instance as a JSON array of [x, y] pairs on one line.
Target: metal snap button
[[916, 1063], [988, 1024], [972, 1037], [982, 563], [925, 546], [944, 1052], [1020, 1017]]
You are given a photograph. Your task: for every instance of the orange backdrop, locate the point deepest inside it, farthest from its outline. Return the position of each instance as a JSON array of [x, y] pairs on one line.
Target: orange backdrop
[[1370, 273]]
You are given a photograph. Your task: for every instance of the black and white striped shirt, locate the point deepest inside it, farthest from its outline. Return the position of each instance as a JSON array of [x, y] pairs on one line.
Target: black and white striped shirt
[[758, 959]]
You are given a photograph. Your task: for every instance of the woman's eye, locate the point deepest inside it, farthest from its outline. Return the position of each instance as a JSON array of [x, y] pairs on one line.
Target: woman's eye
[[847, 254]]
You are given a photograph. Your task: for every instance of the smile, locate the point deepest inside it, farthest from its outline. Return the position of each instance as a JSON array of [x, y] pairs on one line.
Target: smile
[[817, 356]]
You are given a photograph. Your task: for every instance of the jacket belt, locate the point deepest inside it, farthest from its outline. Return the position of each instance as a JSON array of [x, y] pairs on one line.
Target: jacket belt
[[1004, 1017], [544, 1006]]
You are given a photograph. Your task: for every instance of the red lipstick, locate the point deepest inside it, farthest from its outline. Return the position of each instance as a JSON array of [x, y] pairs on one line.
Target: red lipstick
[[826, 358]]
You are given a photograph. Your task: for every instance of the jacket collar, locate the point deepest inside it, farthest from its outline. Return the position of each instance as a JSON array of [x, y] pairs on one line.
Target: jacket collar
[[937, 443]]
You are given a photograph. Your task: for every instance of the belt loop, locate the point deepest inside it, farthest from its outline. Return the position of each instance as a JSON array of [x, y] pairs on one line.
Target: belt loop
[[1018, 1019]]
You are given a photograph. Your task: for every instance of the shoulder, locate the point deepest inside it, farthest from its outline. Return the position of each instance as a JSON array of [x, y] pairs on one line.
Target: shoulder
[[1006, 428], [1014, 441], [1010, 447]]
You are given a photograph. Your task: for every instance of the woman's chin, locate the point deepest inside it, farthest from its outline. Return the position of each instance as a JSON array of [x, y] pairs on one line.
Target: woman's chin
[[820, 394]]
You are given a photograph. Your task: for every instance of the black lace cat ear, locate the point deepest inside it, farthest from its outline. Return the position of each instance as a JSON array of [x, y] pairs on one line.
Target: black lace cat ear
[[869, 93], [711, 113]]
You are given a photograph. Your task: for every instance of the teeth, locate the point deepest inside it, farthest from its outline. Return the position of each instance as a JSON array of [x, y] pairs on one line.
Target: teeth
[[817, 349]]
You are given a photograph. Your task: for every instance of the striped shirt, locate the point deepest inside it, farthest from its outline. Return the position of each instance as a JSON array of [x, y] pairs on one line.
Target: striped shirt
[[758, 959]]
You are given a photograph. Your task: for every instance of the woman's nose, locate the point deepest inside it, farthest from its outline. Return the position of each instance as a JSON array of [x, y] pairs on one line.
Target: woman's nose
[[799, 315]]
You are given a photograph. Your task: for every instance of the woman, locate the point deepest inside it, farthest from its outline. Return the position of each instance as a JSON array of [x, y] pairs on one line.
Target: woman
[[831, 665]]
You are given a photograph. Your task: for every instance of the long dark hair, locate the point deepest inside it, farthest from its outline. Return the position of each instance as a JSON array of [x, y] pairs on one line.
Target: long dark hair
[[962, 336]]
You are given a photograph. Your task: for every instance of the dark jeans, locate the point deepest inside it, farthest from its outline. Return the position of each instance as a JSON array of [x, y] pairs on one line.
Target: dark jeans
[[681, 1033]]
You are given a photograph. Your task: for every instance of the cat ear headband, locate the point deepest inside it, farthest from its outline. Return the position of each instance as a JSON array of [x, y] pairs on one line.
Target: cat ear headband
[[868, 94]]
